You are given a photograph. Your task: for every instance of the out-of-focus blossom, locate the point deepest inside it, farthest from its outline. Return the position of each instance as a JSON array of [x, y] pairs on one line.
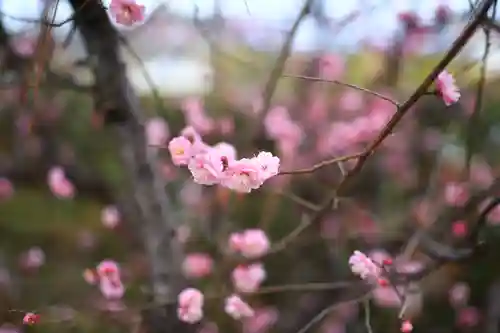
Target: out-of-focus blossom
[[406, 326], [110, 217], [111, 288], [237, 308], [126, 12], [468, 317], [331, 67], [248, 278], [459, 229], [190, 305], [31, 318], [6, 189], [351, 100], [459, 294], [226, 126], [364, 267], [60, 186], [33, 258], [447, 89], [157, 131], [90, 276], [455, 194], [108, 269], [261, 321], [196, 117], [197, 265], [251, 243]]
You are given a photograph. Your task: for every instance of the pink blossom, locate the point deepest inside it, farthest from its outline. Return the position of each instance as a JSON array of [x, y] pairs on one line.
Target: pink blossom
[[237, 308], [157, 131], [386, 296], [455, 194], [108, 269], [459, 294], [31, 318], [459, 228], [269, 165], [111, 288], [261, 321], [60, 186], [244, 175], [6, 189], [248, 278], [110, 217], [197, 265], [363, 266], [196, 117], [406, 326], [207, 168], [226, 150], [181, 150], [24, 45], [276, 121], [126, 12], [226, 126], [190, 305], [468, 317], [251, 243], [33, 258], [447, 89]]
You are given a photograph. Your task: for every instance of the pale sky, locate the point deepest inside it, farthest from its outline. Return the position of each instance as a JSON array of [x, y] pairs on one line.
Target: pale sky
[[270, 14]]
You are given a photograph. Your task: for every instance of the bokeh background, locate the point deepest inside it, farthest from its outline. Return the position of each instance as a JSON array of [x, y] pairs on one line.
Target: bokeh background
[[205, 64]]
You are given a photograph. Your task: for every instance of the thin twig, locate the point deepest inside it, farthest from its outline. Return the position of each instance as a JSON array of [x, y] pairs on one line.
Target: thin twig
[[321, 165], [353, 86], [368, 325]]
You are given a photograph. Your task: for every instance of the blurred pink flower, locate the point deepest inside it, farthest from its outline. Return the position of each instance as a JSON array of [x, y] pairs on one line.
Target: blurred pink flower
[[196, 117], [60, 186], [6, 189], [455, 194], [247, 278], [237, 308], [33, 258], [31, 318], [261, 321], [459, 294], [459, 229], [351, 100], [468, 317], [364, 267], [197, 265], [111, 288], [24, 45], [190, 305], [447, 89], [331, 67], [226, 125], [251, 243], [126, 12], [110, 217], [157, 131], [406, 326], [90, 276], [386, 296], [108, 269]]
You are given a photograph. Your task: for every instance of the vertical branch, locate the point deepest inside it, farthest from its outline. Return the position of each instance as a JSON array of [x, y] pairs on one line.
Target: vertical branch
[[117, 102]]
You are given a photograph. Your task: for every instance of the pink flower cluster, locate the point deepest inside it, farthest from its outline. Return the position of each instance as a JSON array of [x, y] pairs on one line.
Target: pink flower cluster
[[210, 165], [281, 128], [108, 275], [190, 306], [364, 266], [251, 243]]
